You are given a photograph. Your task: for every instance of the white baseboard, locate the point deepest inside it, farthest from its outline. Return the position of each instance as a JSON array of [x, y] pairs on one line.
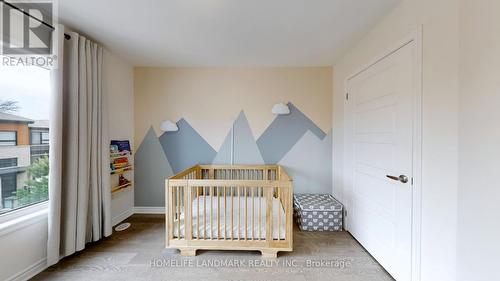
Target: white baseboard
[[121, 217], [30, 272], [149, 210]]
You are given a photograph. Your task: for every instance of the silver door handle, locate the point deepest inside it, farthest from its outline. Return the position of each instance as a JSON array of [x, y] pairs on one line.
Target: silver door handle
[[401, 178]]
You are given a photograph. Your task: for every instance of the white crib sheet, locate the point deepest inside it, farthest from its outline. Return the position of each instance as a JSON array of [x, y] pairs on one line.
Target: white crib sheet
[[211, 229]]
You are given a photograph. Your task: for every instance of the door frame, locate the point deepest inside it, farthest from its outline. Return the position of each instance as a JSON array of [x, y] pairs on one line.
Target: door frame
[[417, 38]]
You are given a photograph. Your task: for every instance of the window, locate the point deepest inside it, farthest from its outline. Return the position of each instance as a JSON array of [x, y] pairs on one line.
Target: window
[[45, 137], [24, 138], [39, 136], [8, 138], [8, 162], [36, 137], [9, 186], [39, 144], [39, 151]]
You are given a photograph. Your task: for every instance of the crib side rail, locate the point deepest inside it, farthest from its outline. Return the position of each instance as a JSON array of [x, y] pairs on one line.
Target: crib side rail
[[229, 213], [190, 173], [240, 172]]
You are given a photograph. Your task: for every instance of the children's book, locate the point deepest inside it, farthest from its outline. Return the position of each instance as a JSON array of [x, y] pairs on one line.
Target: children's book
[[121, 145]]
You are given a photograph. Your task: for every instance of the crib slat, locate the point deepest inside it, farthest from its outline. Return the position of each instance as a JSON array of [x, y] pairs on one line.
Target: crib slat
[[211, 213], [279, 214], [239, 210], [198, 213], [285, 206], [218, 212], [225, 214], [259, 194], [188, 218], [269, 214], [232, 212], [246, 213], [205, 213], [168, 223], [178, 204], [174, 209], [288, 213], [253, 212]]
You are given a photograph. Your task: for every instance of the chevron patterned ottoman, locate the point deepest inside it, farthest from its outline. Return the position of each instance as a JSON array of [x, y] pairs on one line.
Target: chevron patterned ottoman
[[317, 212]]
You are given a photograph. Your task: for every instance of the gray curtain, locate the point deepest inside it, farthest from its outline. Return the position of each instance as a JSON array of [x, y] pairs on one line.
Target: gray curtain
[[79, 190]]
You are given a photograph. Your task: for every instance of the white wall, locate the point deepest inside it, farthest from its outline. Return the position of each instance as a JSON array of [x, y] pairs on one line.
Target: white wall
[[24, 247], [440, 108], [118, 83], [479, 141]]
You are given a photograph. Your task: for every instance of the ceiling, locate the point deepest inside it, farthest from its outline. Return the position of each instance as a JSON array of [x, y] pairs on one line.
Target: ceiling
[[225, 32]]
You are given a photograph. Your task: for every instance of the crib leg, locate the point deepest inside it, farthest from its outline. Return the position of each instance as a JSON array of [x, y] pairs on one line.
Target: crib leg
[[270, 254], [188, 252]]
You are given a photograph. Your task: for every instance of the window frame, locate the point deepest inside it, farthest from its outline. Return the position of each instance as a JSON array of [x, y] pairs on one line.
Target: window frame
[[15, 138], [29, 210], [29, 214], [12, 177], [12, 159], [45, 141], [12, 219], [39, 133]]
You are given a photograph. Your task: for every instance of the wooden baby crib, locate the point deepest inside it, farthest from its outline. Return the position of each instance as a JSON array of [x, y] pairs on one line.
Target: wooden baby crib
[[230, 207]]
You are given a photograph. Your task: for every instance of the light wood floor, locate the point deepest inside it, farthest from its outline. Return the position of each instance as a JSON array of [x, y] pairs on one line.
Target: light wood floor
[[139, 254]]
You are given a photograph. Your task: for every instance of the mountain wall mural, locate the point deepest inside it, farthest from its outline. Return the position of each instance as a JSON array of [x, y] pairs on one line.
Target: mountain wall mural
[[186, 148], [309, 163], [292, 140], [246, 150], [284, 132], [151, 170]]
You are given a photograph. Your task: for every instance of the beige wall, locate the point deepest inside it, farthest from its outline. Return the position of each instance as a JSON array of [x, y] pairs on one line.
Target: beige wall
[[439, 20], [479, 141], [210, 98]]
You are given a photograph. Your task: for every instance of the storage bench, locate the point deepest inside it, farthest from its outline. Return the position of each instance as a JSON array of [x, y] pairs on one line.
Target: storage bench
[[317, 212]]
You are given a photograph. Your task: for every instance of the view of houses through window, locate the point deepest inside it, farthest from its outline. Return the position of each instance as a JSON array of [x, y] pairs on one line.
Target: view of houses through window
[[24, 136]]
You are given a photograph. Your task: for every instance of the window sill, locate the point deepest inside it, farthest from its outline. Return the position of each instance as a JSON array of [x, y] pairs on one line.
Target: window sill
[[22, 218]]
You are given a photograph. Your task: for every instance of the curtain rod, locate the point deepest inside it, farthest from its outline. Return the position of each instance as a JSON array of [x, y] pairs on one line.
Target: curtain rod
[[66, 36]]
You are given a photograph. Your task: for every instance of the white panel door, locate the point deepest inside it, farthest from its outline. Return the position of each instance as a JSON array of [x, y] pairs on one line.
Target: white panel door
[[380, 105]]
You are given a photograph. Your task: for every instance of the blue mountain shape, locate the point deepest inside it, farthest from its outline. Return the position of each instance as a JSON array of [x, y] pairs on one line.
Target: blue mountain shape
[[151, 171], [284, 132], [309, 164], [245, 147], [186, 148]]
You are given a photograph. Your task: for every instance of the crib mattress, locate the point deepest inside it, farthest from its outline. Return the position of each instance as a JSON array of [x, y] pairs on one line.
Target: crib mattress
[[216, 206]]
